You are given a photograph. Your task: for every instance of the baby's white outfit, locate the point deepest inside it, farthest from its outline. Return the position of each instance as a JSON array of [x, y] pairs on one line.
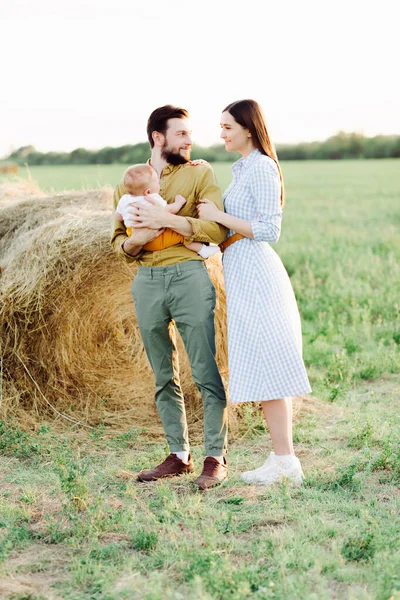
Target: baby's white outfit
[[127, 199], [123, 209]]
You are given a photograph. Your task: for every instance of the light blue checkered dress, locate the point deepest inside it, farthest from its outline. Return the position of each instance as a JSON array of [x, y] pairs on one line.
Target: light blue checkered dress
[[264, 329]]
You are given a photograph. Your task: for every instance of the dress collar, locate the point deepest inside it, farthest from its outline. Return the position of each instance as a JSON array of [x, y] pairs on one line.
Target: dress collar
[[245, 163]]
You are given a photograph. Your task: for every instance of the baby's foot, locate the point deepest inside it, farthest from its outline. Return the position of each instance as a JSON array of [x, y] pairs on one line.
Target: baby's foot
[[207, 251]]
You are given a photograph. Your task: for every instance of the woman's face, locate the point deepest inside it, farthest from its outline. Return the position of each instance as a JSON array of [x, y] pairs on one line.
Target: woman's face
[[236, 137]]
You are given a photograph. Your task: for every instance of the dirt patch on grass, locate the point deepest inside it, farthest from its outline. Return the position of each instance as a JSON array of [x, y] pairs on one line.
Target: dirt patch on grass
[[311, 405], [32, 572], [386, 389]]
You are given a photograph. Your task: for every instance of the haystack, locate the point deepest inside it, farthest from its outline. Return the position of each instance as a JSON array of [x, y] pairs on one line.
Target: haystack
[[70, 348], [8, 168], [70, 343]]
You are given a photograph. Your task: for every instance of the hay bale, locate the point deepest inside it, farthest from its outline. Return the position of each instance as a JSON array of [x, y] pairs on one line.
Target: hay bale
[[69, 338], [8, 168]]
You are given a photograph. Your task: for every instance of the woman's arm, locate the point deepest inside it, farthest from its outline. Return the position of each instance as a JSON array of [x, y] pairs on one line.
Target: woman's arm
[[265, 190], [208, 210]]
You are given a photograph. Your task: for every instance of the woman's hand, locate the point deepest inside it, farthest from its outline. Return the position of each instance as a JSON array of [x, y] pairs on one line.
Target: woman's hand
[[151, 217], [198, 161], [208, 210]]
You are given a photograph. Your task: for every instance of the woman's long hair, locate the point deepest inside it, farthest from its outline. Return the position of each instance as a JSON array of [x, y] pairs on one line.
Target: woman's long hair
[[249, 114]]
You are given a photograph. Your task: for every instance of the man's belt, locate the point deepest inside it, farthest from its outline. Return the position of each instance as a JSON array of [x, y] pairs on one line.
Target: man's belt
[[230, 240]]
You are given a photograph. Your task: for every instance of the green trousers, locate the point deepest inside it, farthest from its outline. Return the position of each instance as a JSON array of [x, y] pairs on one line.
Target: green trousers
[[182, 296]]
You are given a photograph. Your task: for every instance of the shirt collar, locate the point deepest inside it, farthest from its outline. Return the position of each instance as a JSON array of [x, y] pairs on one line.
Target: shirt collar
[[169, 168], [245, 162]]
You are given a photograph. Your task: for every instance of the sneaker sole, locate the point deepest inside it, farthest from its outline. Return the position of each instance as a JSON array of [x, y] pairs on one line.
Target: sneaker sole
[[200, 489], [164, 477], [280, 481]]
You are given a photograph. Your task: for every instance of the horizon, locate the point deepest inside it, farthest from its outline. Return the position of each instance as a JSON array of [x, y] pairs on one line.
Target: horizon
[[75, 77], [200, 146]]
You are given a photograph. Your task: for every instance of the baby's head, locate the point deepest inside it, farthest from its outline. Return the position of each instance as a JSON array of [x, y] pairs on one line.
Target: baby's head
[[141, 180]]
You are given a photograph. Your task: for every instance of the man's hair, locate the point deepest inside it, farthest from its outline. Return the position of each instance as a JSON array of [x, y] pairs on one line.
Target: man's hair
[[158, 120], [137, 179]]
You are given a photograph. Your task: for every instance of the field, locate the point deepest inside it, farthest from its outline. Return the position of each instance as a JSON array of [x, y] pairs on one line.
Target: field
[[78, 177], [75, 524]]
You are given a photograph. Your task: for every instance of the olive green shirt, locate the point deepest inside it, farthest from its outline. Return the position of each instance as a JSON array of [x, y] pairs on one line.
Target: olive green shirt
[[193, 182]]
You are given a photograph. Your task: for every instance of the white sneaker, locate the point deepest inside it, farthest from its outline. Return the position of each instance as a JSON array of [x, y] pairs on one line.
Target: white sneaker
[[275, 471]]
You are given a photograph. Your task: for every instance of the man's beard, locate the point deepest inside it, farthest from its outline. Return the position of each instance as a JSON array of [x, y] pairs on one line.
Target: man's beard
[[173, 158]]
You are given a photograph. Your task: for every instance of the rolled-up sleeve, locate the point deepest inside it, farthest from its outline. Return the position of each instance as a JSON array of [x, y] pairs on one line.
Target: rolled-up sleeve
[[265, 188], [203, 230]]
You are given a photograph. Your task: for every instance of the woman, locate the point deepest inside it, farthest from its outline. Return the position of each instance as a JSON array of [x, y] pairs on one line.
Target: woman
[[264, 329]]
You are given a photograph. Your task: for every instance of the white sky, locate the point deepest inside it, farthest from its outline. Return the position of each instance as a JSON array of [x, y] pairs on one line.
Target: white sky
[[89, 72]]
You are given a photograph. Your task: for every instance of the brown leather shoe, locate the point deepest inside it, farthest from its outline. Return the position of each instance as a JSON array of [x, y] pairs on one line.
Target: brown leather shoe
[[213, 473], [170, 467]]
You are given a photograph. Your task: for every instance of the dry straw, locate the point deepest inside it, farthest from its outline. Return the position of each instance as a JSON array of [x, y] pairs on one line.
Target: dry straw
[[70, 345]]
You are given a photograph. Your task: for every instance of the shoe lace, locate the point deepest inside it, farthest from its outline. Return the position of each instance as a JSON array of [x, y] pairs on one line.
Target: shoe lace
[[171, 459]]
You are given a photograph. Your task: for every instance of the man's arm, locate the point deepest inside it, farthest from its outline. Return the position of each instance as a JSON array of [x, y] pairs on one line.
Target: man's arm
[[203, 230], [118, 234], [192, 228], [130, 248], [155, 217]]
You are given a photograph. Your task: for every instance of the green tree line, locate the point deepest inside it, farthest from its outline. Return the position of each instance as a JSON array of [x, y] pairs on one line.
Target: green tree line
[[340, 146]]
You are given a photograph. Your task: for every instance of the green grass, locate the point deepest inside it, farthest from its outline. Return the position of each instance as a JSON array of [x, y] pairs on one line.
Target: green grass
[[340, 246], [90, 531], [69, 177], [74, 525]]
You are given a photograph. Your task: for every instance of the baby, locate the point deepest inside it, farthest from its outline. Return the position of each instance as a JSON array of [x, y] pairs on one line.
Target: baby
[[142, 181]]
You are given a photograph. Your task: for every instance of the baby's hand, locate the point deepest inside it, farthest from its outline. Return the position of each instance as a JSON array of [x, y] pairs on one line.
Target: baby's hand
[[180, 199]]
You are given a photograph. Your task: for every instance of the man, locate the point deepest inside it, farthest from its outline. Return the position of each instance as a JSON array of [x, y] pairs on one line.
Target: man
[[173, 288]]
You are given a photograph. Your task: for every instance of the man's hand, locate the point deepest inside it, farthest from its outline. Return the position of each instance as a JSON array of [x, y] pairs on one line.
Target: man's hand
[[139, 238], [150, 217]]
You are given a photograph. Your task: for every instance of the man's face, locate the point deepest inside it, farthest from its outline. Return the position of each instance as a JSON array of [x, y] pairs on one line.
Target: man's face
[[177, 142]]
